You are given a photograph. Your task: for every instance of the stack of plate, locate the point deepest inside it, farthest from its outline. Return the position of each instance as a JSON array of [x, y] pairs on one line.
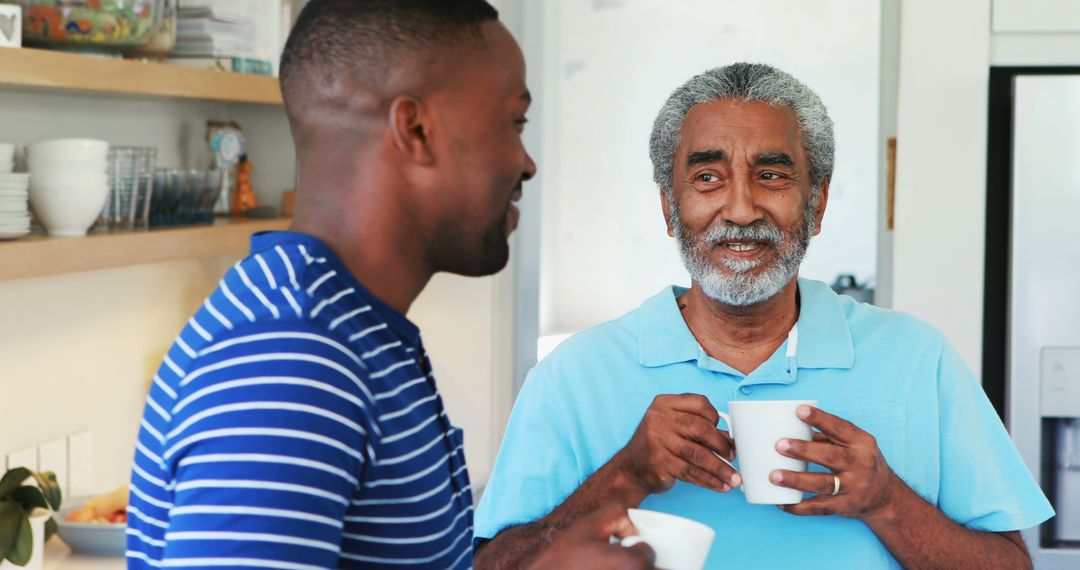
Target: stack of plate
[[14, 215]]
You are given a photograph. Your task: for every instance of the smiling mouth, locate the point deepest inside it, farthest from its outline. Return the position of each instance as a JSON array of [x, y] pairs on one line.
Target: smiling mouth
[[742, 246]]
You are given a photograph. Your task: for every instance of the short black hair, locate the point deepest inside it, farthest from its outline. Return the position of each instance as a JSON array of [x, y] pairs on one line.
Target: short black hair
[[366, 39]]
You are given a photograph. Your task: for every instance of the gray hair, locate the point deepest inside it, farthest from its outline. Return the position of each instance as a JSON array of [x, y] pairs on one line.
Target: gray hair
[[746, 82]]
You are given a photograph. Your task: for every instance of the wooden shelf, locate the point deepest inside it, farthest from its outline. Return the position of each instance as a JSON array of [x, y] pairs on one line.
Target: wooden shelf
[[53, 70], [39, 255]]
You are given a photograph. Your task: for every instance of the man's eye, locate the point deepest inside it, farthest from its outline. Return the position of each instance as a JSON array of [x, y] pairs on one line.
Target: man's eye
[[708, 177], [770, 176]]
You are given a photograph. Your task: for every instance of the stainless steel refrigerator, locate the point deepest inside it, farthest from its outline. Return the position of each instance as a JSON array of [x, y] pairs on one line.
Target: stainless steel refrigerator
[[1042, 360]]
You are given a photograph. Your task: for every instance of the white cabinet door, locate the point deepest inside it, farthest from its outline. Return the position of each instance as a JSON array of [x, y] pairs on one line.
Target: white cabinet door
[[1024, 16]]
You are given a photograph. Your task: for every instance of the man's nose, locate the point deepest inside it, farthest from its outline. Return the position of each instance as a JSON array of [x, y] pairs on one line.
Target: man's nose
[[530, 168], [740, 207]]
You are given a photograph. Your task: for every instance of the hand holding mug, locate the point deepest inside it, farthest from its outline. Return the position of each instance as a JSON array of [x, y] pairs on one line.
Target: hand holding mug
[[678, 439], [862, 479]]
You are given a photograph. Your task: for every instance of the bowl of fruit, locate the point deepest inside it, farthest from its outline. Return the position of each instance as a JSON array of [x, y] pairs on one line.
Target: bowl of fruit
[[97, 526]]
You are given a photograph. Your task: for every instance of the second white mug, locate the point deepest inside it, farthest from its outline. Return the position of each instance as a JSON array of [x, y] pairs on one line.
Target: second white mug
[[679, 543], [756, 426]]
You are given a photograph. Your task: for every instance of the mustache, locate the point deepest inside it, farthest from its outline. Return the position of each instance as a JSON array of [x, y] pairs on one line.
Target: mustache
[[759, 231]]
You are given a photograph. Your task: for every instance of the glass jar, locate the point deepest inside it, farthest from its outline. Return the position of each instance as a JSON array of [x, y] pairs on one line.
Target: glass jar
[[90, 24], [163, 41]]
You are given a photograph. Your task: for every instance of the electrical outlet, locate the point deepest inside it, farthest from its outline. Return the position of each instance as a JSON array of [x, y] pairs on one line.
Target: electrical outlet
[[53, 456], [82, 481], [23, 458]]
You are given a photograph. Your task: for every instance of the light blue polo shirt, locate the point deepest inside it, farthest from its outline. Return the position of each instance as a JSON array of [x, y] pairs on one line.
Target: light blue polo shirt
[[889, 373]]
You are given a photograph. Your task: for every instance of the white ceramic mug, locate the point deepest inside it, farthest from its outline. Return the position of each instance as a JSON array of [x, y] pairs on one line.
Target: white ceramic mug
[[756, 426], [679, 543]]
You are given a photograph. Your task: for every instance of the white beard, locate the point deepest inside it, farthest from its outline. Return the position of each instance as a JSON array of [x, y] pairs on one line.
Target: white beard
[[741, 287]]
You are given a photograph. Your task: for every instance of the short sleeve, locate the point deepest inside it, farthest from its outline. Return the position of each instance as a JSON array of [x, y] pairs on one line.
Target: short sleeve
[[985, 484], [535, 470], [267, 443]]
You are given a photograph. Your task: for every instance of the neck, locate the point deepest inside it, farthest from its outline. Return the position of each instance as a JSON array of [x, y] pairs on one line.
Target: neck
[[742, 337], [360, 211]]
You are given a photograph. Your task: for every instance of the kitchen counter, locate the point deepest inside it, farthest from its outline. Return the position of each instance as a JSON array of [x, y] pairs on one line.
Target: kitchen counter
[[59, 557]]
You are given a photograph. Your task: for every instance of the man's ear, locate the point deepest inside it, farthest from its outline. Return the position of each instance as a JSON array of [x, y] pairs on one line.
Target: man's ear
[[410, 129], [823, 201], [666, 207]]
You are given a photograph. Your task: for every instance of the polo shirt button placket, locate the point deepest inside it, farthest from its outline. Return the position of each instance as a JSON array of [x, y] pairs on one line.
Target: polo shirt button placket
[[746, 390]]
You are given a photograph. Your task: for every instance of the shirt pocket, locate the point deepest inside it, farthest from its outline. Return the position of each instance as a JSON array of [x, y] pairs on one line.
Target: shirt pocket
[[887, 423]]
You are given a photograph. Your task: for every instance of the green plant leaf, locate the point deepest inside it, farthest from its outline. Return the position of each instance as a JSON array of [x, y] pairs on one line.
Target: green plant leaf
[[24, 543], [10, 515], [13, 479], [50, 528], [29, 498], [50, 488]]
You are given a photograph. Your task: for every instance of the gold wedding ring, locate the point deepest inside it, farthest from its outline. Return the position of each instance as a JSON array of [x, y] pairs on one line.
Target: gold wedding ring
[[835, 484]]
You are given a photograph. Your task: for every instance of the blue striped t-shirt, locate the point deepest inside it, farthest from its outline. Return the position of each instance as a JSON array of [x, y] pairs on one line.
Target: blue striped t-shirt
[[295, 423]]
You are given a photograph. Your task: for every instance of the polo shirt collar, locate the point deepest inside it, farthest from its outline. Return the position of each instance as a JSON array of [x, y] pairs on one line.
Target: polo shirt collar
[[824, 334]]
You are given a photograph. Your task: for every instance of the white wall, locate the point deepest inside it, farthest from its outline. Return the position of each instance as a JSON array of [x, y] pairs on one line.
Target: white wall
[[1035, 32], [608, 68], [890, 71], [938, 246], [77, 352]]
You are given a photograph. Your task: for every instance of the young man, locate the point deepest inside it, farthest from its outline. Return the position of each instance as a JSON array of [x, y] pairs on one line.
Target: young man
[[296, 423]]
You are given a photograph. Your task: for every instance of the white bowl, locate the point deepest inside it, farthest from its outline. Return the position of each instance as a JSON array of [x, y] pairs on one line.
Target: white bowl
[[65, 211], [39, 166], [76, 149], [69, 178], [7, 152]]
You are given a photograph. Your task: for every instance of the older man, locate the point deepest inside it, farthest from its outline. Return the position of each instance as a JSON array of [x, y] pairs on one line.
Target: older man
[[914, 468]]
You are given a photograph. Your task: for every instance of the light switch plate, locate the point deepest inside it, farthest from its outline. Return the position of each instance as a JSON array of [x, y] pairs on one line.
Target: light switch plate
[[23, 458], [53, 456], [82, 481], [1060, 382]]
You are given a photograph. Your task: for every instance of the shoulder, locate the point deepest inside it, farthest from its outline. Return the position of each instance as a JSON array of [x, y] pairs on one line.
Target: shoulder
[[870, 323], [617, 334], [614, 334], [291, 282], [598, 347]]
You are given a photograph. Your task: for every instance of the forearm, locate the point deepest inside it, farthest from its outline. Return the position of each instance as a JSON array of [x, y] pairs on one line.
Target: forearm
[[518, 546], [920, 536]]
